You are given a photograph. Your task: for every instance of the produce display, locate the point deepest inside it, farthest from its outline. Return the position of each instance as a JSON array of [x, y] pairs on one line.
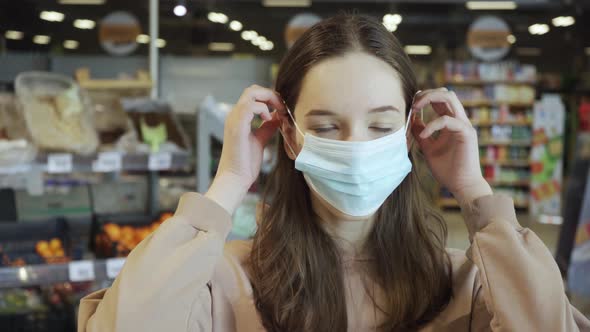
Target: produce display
[[117, 240]]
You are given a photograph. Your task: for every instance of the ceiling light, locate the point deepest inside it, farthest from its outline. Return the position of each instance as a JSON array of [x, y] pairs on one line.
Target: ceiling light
[[235, 25], [160, 43], [71, 44], [286, 3], [84, 24], [217, 17], [587, 51], [418, 49], [249, 35], [267, 45], [528, 51], [391, 27], [221, 47], [81, 2], [51, 16], [14, 35], [142, 39], [180, 10], [511, 39], [258, 40], [392, 18], [491, 5], [563, 21], [538, 29], [41, 39]]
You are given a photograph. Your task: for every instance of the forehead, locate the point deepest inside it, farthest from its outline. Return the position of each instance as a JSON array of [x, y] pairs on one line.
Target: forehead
[[350, 83]]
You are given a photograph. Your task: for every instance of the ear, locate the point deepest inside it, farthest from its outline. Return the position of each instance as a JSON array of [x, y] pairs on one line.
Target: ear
[[289, 137]]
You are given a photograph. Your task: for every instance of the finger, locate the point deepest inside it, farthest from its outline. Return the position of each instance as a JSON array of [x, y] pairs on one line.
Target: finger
[[437, 97], [267, 96], [417, 128], [444, 122], [267, 130]]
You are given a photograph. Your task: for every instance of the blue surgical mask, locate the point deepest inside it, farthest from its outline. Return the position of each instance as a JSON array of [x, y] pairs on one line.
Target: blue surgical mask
[[354, 177]]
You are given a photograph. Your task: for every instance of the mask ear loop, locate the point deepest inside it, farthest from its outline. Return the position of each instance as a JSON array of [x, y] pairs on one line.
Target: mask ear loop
[[296, 127]]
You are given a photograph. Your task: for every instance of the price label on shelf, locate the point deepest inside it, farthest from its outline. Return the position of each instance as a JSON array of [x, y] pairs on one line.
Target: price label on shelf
[[114, 266], [160, 161], [59, 163], [81, 271], [108, 162]]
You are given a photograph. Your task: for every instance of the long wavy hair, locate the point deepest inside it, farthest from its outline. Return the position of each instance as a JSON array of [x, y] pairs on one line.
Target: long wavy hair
[[295, 266]]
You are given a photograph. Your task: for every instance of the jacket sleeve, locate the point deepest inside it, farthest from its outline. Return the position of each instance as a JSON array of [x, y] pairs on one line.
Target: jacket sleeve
[[521, 288], [164, 282]]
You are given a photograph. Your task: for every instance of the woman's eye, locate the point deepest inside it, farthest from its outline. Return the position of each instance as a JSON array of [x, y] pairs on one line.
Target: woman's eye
[[381, 129], [321, 130]]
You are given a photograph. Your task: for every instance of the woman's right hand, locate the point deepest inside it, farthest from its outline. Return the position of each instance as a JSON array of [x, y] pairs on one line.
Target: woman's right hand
[[241, 156]]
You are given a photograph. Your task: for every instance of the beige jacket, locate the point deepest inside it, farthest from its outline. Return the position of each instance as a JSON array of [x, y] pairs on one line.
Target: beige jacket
[[184, 277]]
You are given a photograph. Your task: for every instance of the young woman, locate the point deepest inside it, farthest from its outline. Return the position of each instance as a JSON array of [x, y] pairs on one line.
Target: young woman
[[345, 239]]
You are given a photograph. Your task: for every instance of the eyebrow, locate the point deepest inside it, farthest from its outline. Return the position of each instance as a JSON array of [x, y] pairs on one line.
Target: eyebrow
[[380, 109]]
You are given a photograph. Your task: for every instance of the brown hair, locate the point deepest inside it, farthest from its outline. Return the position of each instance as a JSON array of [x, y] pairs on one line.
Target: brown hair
[[295, 266]]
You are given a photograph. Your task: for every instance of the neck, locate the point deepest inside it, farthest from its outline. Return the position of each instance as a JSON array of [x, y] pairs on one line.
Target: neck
[[349, 233]]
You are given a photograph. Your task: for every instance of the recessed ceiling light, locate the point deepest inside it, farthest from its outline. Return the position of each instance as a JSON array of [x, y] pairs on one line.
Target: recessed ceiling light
[[391, 27], [258, 40], [180, 10], [392, 18], [217, 17], [142, 39], [13, 35], [249, 35], [418, 49], [51, 16], [71, 44], [538, 29], [235, 25], [267, 46], [511, 39], [491, 5], [221, 47], [528, 51], [41, 39], [84, 24], [563, 21]]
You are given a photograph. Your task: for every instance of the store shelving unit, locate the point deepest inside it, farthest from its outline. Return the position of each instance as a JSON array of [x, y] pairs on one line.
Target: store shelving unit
[[500, 108], [48, 274]]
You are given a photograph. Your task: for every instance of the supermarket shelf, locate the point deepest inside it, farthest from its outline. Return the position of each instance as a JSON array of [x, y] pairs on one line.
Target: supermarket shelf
[[128, 162], [489, 103], [508, 163], [501, 123], [116, 85], [47, 274], [517, 183], [507, 142], [486, 82]]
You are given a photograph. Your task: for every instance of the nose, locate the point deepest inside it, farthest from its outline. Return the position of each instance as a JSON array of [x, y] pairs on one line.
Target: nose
[[356, 134]]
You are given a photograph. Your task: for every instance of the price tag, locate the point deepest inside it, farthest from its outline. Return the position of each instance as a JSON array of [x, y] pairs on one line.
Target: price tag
[[108, 162], [114, 266], [81, 271], [59, 163], [159, 161]]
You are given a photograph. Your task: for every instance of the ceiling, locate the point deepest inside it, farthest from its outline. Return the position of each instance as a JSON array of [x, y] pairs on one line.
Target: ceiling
[[441, 24]]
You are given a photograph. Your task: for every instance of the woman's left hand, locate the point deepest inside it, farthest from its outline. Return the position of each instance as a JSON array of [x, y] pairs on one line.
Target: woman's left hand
[[453, 156]]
